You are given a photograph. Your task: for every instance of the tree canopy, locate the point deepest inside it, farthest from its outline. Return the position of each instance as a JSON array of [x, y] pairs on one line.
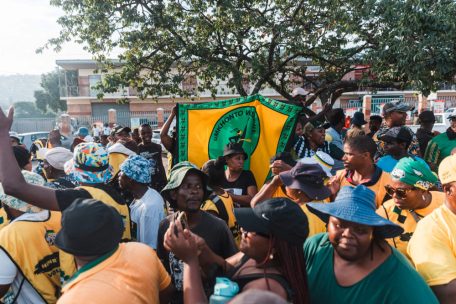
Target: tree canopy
[[49, 97], [267, 43]]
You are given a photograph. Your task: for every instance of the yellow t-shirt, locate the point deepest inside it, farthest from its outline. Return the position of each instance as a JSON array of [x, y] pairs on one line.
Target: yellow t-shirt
[[406, 220], [433, 247], [132, 274], [378, 185], [315, 224], [230, 219]]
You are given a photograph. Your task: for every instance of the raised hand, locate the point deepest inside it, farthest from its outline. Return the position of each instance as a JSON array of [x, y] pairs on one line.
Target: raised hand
[[181, 242], [6, 120]]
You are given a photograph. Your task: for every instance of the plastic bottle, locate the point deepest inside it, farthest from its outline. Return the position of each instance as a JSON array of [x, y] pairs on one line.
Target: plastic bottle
[[224, 291]]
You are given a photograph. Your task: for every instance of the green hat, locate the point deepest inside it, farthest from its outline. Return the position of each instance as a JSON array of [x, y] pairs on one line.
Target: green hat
[[176, 177], [415, 173]]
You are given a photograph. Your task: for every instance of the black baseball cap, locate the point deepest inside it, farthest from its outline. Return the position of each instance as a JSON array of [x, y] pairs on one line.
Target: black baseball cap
[[119, 129], [279, 217], [89, 228], [397, 133]]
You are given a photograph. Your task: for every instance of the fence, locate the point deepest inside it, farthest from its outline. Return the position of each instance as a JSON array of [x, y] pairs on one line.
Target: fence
[[127, 119], [24, 125]]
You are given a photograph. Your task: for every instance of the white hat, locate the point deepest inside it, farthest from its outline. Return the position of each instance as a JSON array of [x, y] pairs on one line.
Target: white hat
[[57, 157], [299, 91], [321, 158]]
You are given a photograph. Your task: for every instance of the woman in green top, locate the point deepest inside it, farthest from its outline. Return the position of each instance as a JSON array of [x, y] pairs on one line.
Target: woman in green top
[[352, 262]]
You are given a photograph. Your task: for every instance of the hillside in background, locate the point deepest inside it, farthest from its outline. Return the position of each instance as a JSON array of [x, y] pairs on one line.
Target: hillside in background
[[18, 87]]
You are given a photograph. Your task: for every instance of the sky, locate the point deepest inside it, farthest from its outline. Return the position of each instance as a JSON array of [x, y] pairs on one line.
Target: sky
[[25, 26]]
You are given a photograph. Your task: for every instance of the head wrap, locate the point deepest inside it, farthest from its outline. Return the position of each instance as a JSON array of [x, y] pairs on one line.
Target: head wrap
[[15, 203], [137, 168], [415, 173]]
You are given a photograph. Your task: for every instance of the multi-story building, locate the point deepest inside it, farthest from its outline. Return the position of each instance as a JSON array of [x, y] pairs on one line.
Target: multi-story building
[[78, 80]]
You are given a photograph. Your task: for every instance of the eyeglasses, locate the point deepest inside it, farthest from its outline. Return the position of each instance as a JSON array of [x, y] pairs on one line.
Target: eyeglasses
[[401, 193], [244, 234]]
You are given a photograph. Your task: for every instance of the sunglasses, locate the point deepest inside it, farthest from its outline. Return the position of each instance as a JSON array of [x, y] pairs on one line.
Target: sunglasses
[[245, 233], [401, 193]]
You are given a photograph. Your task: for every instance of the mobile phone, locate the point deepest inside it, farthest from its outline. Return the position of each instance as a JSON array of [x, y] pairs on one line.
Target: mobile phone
[[182, 218]]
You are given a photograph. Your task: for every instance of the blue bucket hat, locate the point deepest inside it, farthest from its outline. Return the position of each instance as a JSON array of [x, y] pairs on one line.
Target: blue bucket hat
[[357, 205], [137, 168], [83, 131]]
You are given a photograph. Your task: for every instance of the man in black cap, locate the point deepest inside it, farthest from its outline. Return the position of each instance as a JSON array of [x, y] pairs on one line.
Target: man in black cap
[[395, 114], [106, 267], [122, 133], [424, 134], [397, 141]]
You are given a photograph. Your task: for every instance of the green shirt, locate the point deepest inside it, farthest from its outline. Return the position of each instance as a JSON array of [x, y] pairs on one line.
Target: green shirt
[[438, 148], [394, 281]]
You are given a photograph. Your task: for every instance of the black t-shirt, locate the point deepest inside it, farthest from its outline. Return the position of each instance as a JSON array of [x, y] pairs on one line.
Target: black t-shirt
[[153, 152], [239, 186], [217, 236], [65, 197]]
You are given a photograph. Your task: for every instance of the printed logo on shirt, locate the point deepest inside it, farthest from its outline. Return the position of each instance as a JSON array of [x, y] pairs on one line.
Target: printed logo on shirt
[[48, 264], [50, 237]]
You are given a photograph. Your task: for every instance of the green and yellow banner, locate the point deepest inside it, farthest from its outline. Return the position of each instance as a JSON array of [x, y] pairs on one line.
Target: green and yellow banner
[[262, 125]]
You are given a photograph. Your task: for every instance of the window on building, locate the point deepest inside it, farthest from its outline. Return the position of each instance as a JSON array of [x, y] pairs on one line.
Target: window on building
[[190, 84], [94, 80]]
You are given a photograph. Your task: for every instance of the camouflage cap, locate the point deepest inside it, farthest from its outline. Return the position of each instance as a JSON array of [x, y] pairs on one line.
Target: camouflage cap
[[176, 177]]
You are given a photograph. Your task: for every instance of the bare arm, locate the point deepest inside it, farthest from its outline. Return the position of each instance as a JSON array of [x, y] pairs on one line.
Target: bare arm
[[167, 140], [11, 177], [193, 286], [166, 294], [267, 191], [244, 200], [445, 293]]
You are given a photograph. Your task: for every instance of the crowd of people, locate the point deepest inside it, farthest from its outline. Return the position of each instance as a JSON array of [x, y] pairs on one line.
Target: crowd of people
[[354, 211]]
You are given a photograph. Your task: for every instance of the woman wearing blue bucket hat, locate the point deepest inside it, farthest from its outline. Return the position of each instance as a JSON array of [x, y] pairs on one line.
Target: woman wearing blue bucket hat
[[352, 262]]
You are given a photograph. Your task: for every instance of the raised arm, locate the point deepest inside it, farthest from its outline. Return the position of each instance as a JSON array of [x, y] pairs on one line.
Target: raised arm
[[267, 191], [167, 140], [10, 174]]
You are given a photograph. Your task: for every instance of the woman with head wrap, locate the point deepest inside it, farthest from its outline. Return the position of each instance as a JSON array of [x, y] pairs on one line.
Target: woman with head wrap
[[412, 198]]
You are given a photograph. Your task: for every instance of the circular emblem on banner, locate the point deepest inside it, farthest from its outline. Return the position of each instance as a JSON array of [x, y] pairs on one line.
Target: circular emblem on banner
[[240, 125]]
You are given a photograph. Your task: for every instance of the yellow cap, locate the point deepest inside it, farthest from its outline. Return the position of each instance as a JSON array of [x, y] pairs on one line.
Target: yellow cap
[[447, 170]]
